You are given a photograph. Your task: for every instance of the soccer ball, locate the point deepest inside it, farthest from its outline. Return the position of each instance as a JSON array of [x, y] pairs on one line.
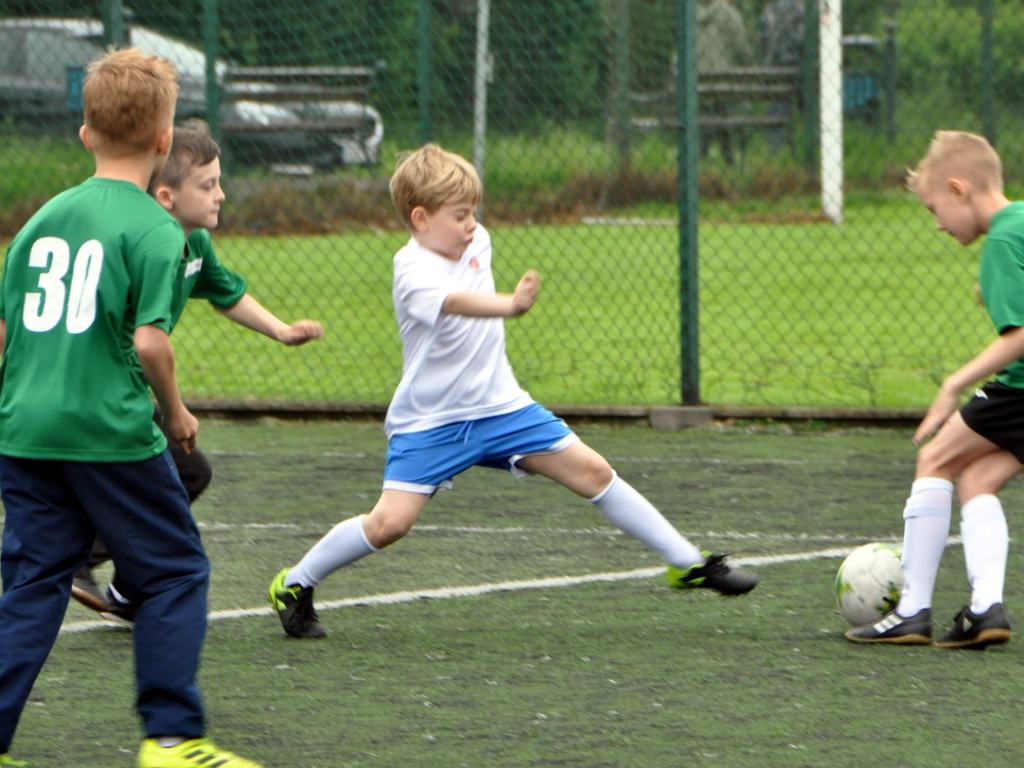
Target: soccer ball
[[869, 581]]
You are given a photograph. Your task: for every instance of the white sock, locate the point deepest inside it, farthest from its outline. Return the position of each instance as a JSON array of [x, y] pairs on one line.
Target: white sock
[[170, 741], [925, 530], [343, 544], [632, 513], [118, 597], [986, 541]]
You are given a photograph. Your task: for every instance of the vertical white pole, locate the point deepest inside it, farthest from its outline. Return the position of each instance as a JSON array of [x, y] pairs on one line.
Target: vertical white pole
[[481, 78], [830, 109]]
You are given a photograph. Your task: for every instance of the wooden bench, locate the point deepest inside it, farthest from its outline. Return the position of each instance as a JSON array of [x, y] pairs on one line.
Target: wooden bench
[[741, 98], [325, 109]]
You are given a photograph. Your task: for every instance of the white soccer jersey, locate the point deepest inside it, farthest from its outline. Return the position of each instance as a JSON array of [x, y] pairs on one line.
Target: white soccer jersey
[[454, 368]]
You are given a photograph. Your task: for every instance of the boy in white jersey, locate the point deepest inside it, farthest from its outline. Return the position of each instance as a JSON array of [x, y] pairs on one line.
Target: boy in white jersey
[[458, 404]]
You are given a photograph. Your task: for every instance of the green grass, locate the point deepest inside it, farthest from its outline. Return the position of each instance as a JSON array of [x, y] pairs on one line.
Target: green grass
[[790, 313], [617, 674]]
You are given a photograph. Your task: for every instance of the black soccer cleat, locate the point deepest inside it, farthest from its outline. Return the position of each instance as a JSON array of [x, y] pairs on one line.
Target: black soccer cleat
[[977, 631], [714, 574], [895, 629], [294, 606]]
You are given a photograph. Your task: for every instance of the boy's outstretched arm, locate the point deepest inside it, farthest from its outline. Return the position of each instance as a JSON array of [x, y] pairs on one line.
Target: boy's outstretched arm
[[250, 313], [470, 304], [996, 356]]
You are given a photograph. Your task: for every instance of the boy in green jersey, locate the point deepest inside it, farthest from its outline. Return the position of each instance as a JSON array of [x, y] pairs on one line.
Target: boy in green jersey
[[85, 308], [960, 181], [189, 189]]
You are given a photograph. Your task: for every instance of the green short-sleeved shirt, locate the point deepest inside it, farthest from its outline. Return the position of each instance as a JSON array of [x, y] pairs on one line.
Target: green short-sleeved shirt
[[95, 263], [1001, 277], [202, 276]]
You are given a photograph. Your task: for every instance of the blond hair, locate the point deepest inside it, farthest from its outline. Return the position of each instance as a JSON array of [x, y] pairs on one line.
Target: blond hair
[[431, 177], [129, 98], [193, 146], [962, 155]]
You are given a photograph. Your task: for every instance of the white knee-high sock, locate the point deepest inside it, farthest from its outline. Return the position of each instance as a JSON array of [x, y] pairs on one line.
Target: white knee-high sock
[[343, 544], [632, 513], [986, 542], [925, 529]]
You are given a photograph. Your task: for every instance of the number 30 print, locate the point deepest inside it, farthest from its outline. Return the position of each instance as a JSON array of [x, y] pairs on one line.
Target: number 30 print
[[45, 308]]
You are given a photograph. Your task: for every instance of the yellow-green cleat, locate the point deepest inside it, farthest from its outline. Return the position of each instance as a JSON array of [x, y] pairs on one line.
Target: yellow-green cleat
[[294, 606], [194, 753], [714, 574], [6, 761]]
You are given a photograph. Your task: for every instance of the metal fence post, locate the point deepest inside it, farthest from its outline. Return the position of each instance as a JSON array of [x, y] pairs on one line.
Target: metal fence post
[[618, 23], [810, 86], [688, 149], [891, 73], [425, 65], [211, 26], [481, 79], [112, 14], [988, 68]]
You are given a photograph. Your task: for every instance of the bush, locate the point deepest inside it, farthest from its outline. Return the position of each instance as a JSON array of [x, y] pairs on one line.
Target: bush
[[949, 54]]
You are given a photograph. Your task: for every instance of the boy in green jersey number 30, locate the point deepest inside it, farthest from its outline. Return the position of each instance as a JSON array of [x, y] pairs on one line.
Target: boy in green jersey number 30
[[85, 308]]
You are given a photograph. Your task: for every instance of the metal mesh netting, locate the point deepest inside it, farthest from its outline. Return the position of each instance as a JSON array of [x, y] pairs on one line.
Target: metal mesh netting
[[815, 277]]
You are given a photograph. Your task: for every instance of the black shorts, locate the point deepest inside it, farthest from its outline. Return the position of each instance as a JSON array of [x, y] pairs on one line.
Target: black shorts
[[996, 412]]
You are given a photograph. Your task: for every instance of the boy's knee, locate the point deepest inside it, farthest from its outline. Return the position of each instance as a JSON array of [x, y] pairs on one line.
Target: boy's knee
[[968, 485], [603, 474], [935, 460], [599, 474], [981, 478], [385, 526]]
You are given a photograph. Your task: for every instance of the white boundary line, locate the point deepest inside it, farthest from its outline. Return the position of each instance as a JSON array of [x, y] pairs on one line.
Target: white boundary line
[[516, 530], [447, 593], [215, 526]]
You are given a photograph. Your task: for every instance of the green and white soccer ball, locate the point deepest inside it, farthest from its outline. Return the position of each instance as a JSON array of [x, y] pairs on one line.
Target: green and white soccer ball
[[869, 581]]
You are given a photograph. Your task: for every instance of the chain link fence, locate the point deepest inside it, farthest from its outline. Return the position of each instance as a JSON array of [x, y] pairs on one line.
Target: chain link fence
[[712, 190]]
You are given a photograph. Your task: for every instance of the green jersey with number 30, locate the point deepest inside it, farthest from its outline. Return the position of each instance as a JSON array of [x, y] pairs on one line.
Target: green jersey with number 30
[[95, 263]]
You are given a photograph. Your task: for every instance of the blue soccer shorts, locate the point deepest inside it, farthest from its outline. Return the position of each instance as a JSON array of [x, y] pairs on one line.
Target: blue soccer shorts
[[426, 461]]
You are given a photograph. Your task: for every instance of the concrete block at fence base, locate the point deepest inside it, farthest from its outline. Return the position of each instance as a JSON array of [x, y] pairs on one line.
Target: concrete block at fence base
[[679, 416]]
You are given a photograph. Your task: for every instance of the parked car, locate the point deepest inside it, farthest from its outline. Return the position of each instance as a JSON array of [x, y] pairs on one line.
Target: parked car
[[315, 116]]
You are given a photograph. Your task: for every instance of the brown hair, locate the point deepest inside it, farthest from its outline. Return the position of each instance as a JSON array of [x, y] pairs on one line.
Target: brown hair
[[129, 98], [431, 177], [192, 147], [958, 154]]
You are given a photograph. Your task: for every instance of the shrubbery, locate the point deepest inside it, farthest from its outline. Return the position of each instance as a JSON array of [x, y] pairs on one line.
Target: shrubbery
[[940, 46]]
